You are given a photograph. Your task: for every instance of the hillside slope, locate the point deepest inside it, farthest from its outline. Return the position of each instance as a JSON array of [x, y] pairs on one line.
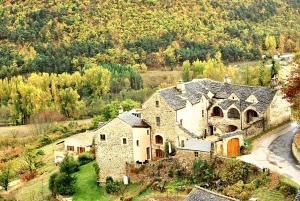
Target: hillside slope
[[63, 35]]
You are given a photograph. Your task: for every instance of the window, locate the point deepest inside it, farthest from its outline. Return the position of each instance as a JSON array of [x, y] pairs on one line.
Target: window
[[157, 103], [124, 140], [196, 154], [137, 143], [159, 139], [80, 150], [148, 153], [202, 113], [158, 121], [148, 132], [70, 148], [181, 122], [182, 143], [102, 137]]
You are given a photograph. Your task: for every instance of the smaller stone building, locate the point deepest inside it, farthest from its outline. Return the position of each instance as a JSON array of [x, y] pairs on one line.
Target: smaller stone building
[[74, 144], [122, 141]]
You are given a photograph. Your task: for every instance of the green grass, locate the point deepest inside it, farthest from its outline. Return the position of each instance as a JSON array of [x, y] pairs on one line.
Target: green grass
[[266, 194], [87, 187]]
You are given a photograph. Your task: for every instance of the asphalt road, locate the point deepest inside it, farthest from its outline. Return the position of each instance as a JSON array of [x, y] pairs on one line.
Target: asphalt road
[[273, 151]]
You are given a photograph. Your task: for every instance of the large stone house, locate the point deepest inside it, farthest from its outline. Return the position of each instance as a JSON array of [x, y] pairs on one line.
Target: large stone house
[[219, 112], [197, 116]]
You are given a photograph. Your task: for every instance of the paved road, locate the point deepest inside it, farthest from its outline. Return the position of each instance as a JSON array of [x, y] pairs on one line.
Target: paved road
[[273, 151]]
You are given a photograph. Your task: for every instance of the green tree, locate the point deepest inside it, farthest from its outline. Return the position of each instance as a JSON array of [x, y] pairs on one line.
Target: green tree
[[97, 80], [69, 102], [270, 43], [186, 71], [33, 159], [6, 174]]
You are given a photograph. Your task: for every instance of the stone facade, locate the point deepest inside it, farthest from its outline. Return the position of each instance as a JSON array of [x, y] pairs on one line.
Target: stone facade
[[187, 157], [207, 108], [112, 154], [155, 108]]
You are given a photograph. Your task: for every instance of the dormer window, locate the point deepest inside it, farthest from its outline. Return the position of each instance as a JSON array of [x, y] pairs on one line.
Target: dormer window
[[233, 97], [157, 103]]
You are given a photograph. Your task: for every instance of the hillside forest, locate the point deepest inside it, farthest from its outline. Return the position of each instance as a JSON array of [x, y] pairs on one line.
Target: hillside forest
[[76, 57]]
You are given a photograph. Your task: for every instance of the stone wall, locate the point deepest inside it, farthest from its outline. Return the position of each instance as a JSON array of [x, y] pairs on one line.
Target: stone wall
[[255, 128], [187, 157], [279, 110], [112, 155], [167, 115]]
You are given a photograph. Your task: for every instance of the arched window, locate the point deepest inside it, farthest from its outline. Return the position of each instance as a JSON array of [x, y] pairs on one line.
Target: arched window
[[231, 128], [217, 112], [159, 139], [233, 113], [251, 115]]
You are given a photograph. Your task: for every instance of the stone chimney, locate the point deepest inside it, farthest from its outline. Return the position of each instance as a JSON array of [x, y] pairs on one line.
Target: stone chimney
[[227, 79], [180, 86]]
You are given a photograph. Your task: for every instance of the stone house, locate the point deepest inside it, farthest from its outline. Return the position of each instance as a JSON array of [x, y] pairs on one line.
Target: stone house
[[219, 112], [74, 145], [121, 141], [200, 118]]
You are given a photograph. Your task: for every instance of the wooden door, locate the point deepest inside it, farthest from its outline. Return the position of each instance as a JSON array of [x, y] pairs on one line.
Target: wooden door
[[159, 153], [233, 147]]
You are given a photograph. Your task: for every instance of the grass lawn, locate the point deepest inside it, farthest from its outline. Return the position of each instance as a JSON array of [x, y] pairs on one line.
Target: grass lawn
[[266, 194], [87, 187]]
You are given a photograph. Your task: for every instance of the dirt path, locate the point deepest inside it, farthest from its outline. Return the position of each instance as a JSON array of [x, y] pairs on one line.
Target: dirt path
[[273, 151]]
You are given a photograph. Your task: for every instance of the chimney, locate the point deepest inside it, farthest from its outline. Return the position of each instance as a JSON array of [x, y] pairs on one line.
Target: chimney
[[180, 86], [227, 79]]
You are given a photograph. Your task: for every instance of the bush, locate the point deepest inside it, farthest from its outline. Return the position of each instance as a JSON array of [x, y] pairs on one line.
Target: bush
[[85, 158], [45, 140], [287, 189], [202, 171], [111, 186], [62, 184], [232, 170], [180, 173], [69, 165]]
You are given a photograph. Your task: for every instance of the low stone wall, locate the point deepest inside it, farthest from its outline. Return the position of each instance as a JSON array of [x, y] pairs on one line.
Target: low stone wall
[[296, 153], [255, 128], [187, 157]]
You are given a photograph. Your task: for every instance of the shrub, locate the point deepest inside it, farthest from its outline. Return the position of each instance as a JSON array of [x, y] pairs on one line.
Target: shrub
[[69, 165], [45, 140], [97, 168], [28, 175], [287, 189], [85, 158], [111, 186], [232, 170], [202, 171], [62, 184], [171, 173], [180, 173]]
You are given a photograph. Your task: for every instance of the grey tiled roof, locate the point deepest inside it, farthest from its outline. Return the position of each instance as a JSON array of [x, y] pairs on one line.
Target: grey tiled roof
[[132, 120], [201, 194], [197, 145], [195, 89]]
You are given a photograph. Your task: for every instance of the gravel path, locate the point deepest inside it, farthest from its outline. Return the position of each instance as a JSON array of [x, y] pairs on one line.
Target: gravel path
[[273, 151]]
